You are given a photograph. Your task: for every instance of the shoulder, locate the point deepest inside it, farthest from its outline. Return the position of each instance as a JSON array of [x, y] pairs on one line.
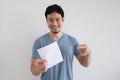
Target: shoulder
[[41, 39], [44, 40], [71, 38], [44, 36]]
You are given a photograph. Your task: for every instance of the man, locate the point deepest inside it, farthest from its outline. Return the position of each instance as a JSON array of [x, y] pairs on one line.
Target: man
[[68, 45]]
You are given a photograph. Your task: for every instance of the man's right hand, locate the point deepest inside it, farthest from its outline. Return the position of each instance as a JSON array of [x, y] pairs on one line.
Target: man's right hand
[[38, 66]]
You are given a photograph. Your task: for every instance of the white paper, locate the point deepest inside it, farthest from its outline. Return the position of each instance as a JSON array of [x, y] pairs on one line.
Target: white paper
[[51, 53]]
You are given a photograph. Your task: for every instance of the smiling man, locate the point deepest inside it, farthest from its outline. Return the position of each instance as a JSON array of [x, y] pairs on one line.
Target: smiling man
[[68, 45]]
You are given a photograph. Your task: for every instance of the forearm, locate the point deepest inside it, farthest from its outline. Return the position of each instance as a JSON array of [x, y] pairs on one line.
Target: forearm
[[84, 57], [85, 60]]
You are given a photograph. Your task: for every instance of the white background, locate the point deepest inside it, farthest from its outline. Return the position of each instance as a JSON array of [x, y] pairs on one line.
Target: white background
[[94, 22]]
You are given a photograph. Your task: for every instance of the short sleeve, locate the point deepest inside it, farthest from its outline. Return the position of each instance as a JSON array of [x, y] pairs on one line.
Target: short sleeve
[[76, 50], [35, 54]]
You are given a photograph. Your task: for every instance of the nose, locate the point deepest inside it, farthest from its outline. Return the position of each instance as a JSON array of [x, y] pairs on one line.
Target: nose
[[54, 23]]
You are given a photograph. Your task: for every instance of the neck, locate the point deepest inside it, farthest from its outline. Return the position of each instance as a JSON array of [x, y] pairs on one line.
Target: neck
[[56, 36]]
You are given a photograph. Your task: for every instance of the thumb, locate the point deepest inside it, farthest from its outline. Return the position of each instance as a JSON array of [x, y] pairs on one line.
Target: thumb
[[82, 47]]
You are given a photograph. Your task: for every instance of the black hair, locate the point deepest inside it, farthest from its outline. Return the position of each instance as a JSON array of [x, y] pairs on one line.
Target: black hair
[[54, 8]]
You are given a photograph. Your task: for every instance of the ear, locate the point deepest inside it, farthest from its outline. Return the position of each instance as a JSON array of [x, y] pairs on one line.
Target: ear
[[63, 19], [46, 20]]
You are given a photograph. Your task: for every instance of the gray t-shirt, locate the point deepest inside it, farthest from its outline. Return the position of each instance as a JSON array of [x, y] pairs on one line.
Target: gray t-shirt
[[68, 47]]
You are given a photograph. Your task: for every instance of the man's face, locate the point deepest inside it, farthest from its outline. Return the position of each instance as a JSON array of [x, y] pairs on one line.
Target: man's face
[[55, 22]]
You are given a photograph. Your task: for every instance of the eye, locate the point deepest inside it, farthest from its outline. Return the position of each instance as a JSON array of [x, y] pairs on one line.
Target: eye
[[50, 20], [58, 19]]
